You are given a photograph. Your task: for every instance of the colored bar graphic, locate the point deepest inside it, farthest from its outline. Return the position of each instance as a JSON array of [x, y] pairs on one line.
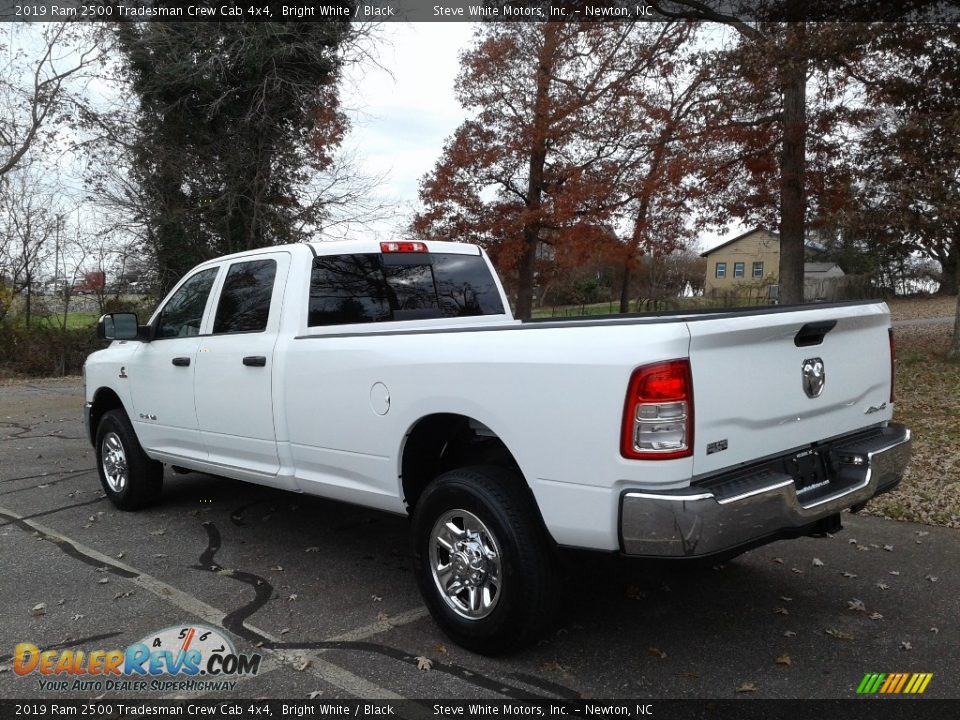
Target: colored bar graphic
[[894, 683]]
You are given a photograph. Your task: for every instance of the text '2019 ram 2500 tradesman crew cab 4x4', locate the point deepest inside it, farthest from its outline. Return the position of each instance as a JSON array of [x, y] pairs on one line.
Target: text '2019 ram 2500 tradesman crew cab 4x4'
[[392, 375]]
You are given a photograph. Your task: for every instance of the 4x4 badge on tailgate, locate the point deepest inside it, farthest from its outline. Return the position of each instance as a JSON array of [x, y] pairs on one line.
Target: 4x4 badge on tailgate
[[814, 377]]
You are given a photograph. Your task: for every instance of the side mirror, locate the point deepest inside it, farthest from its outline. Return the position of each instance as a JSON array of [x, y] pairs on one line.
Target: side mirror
[[118, 326]]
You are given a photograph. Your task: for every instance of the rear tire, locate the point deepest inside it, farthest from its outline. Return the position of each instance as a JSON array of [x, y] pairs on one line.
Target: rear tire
[[484, 563], [129, 478]]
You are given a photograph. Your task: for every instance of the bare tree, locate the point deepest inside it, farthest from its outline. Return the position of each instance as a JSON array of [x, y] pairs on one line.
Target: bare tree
[[29, 221], [34, 72]]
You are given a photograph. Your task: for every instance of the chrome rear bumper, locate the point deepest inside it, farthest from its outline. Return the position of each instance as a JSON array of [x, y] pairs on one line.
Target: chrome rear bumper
[[743, 508]]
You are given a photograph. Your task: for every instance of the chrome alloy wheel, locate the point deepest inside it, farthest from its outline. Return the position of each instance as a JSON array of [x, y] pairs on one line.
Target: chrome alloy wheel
[[465, 560], [114, 461]]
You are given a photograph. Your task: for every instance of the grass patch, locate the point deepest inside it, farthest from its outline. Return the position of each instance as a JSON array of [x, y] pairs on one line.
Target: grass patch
[[928, 402]]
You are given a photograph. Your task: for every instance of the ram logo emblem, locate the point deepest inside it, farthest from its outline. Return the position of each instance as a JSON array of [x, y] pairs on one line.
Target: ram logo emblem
[[814, 377]]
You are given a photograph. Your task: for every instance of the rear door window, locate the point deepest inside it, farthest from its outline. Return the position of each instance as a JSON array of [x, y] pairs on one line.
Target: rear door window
[[244, 304], [379, 288]]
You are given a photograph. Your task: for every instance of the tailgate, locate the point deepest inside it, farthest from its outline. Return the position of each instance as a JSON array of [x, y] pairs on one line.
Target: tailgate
[[755, 391]]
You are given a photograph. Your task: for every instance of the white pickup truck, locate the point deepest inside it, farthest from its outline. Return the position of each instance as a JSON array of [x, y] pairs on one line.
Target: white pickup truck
[[392, 375]]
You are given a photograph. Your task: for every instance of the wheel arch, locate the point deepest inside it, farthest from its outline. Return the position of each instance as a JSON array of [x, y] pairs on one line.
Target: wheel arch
[[104, 400], [440, 442]]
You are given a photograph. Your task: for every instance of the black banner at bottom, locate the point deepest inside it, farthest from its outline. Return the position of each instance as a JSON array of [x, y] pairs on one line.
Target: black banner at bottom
[[872, 708]]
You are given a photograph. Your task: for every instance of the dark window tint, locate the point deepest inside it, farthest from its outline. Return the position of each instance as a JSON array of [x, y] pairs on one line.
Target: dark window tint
[[465, 286], [245, 299], [183, 312], [347, 289], [375, 288]]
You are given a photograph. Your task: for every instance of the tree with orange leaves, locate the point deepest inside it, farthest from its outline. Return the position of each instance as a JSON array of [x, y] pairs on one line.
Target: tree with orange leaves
[[559, 134]]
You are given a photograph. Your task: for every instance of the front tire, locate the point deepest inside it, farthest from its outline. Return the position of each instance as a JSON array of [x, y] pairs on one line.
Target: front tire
[[129, 478], [484, 563]]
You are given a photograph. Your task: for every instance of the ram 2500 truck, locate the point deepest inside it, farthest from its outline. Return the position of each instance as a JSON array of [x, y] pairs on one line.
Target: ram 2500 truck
[[392, 375]]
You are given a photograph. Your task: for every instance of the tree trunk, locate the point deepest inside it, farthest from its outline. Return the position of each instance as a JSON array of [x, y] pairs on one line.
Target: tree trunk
[[625, 288], [953, 354], [29, 297], [527, 272], [793, 80], [950, 270], [535, 172]]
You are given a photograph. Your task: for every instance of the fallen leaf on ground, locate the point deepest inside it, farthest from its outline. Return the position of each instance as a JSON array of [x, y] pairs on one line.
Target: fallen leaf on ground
[[883, 586], [747, 687], [293, 596], [852, 541], [856, 605], [848, 574], [781, 611], [440, 648], [779, 561], [382, 617], [376, 598], [161, 531], [278, 568], [932, 578], [314, 695], [103, 581], [313, 548], [39, 609], [77, 617], [159, 555], [423, 663], [552, 666], [935, 631], [786, 599], [285, 631], [888, 548], [905, 645], [798, 571], [893, 572], [784, 660], [121, 595], [817, 562], [302, 664], [876, 616], [657, 652], [839, 634], [789, 633]]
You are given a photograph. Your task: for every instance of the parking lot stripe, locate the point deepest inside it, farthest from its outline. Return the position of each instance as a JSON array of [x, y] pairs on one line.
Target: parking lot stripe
[[330, 673], [398, 620]]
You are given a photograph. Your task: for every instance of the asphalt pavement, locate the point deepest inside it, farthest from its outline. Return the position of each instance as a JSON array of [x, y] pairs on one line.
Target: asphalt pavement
[[325, 594]]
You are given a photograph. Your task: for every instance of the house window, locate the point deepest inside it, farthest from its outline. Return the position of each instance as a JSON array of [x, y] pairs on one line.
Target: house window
[[758, 270], [738, 270], [721, 270]]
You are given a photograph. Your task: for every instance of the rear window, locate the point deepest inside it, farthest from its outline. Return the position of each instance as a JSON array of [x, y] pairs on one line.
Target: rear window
[[379, 288]]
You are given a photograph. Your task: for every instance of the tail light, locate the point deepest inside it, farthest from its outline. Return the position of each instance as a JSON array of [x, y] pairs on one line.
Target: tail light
[[403, 247], [658, 413], [893, 366]]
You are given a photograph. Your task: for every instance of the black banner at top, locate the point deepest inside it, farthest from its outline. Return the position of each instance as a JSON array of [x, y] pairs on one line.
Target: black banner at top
[[480, 10]]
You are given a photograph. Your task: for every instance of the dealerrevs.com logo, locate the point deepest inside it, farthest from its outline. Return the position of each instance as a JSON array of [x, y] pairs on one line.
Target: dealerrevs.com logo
[[180, 658]]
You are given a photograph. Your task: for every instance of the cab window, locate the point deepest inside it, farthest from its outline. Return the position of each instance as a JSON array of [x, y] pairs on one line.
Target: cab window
[[182, 314], [244, 304]]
